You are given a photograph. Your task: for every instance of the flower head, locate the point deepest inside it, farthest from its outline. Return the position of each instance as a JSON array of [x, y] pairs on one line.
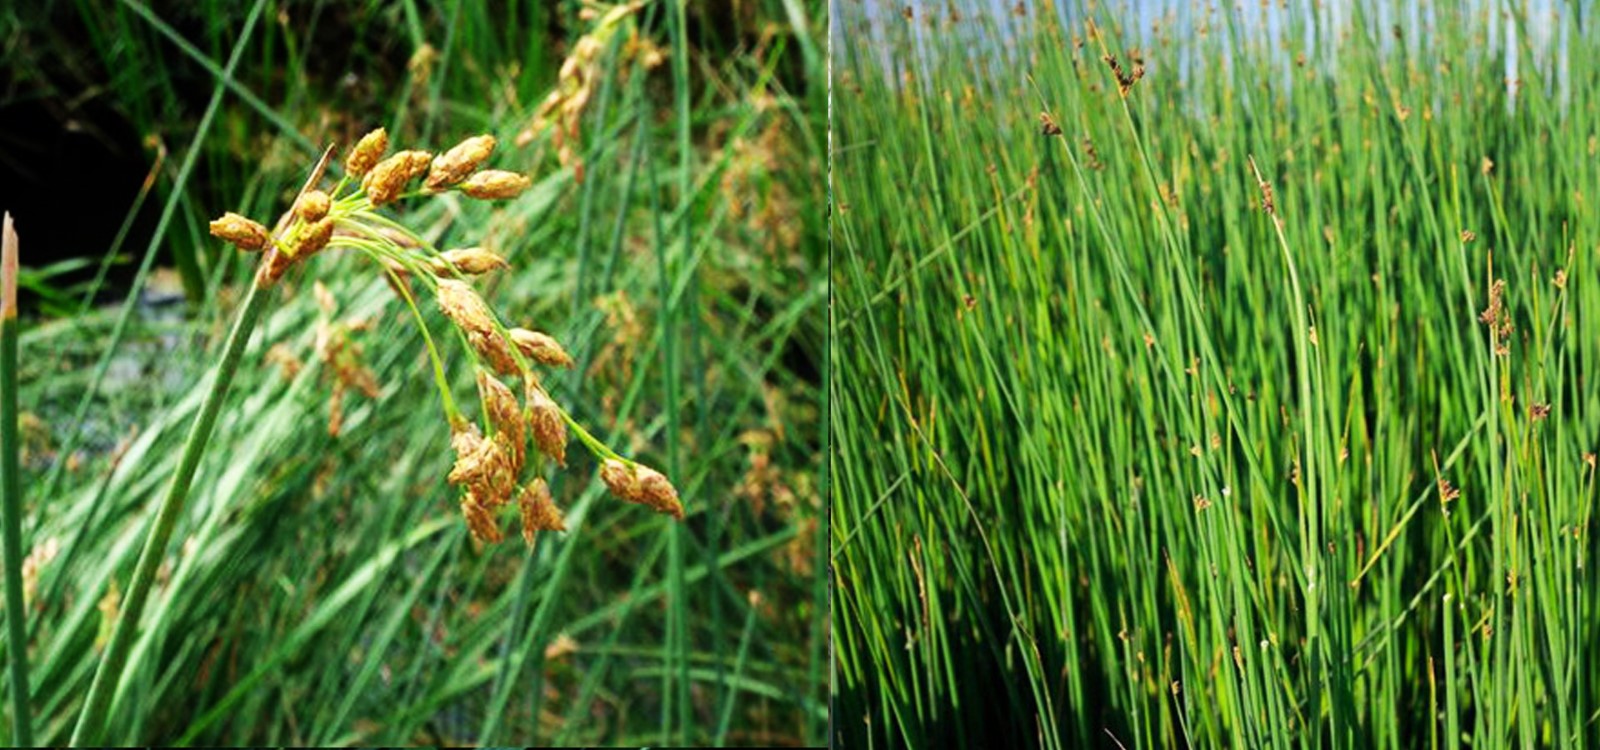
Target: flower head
[[241, 232], [495, 184], [454, 165]]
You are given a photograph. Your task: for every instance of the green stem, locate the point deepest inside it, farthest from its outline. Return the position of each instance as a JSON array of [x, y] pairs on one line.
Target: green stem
[[91, 722], [16, 615]]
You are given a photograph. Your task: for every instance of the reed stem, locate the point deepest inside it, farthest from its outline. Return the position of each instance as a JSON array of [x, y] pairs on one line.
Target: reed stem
[[16, 614], [91, 722]]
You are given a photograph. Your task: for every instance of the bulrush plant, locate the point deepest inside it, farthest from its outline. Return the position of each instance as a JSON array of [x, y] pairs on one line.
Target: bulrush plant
[[493, 467]]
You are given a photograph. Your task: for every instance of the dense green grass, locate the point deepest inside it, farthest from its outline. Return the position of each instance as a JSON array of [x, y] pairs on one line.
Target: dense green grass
[[1120, 457], [324, 589]]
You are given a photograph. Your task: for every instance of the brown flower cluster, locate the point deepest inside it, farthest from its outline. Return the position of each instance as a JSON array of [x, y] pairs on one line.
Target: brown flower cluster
[[493, 466], [1125, 79], [1498, 318], [561, 112]]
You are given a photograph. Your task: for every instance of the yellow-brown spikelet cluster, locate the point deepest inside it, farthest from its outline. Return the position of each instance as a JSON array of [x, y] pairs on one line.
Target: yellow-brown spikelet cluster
[[467, 261], [240, 232], [641, 484], [539, 511], [561, 112], [366, 153], [541, 348], [495, 184], [547, 425], [313, 206], [493, 466], [389, 178], [456, 164]]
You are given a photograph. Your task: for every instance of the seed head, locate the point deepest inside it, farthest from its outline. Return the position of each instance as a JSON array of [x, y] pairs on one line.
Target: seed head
[[473, 455], [539, 512], [641, 484], [541, 348], [483, 467], [619, 479], [480, 521], [386, 180], [454, 165], [467, 261], [464, 307], [492, 347], [313, 206], [366, 153], [547, 425], [1047, 125], [494, 184], [500, 406], [312, 238], [656, 491], [242, 233]]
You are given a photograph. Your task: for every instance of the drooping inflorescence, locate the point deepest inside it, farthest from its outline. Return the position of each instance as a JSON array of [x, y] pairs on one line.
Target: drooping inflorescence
[[493, 467]]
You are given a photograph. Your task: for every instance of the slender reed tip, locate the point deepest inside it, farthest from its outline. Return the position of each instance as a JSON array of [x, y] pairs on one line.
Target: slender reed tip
[[8, 270]]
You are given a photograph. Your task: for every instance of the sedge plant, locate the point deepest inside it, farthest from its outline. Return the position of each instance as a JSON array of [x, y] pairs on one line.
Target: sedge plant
[[494, 467], [11, 486], [1215, 378]]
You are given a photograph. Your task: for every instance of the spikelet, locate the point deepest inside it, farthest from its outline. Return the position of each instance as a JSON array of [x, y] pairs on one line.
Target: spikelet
[[386, 180], [636, 483], [366, 153], [492, 347], [473, 455], [467, 261], [541, 348], [312, 206], [497, 486], [312, 238], [656, 491], [500, 406], [495, 184], [242, 233], [539, 511], [464, 307], [546, 423], [483, 466], [619, 479], [480, 521], [454, 165]]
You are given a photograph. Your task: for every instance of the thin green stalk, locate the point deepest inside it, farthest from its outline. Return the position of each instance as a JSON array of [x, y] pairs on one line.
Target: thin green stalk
[[91, 722], [10, 450]]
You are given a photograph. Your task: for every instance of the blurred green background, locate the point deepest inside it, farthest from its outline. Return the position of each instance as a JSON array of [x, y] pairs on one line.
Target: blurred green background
[[325, 589]]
